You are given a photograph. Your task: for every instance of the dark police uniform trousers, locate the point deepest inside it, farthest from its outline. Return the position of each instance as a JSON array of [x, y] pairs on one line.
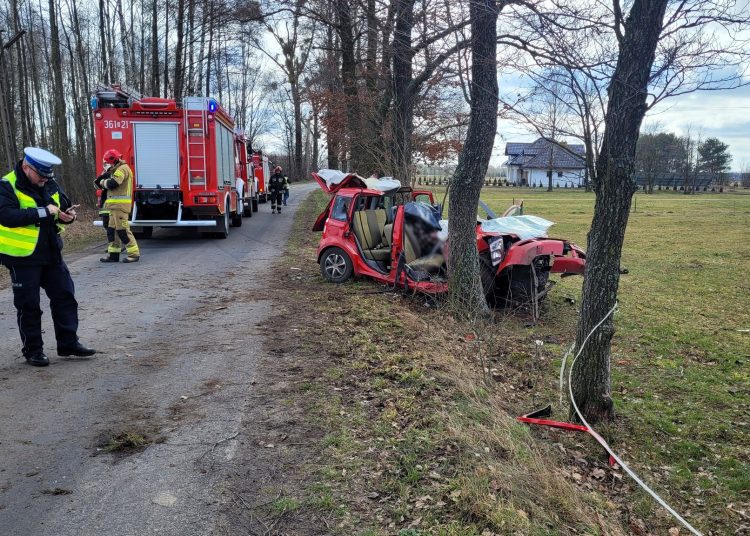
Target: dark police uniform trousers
[[55, 279]]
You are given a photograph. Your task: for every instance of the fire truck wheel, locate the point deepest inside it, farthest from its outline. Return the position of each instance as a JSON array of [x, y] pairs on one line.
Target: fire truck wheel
[[255, 204], [222, 224], [247, 209], [336, 266], [145, 232], [237, 216]]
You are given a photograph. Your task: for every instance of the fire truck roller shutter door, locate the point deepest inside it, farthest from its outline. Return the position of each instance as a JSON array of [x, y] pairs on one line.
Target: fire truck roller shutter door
[[157, 155]]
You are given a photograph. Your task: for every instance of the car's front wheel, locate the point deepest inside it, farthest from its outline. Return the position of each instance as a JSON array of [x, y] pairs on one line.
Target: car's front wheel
[[336, 266]]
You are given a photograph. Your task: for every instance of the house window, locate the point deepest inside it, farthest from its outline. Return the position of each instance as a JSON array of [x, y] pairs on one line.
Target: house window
[[560, 174]]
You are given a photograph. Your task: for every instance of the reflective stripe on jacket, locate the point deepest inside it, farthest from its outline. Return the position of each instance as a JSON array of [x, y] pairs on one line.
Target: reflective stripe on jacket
[[122, 195], [21, 241]]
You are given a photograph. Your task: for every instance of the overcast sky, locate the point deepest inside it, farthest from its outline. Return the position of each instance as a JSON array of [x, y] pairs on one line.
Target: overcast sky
[[709, 114]]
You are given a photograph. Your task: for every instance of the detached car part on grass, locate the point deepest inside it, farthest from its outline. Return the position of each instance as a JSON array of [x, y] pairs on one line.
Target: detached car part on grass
[[393, 234]]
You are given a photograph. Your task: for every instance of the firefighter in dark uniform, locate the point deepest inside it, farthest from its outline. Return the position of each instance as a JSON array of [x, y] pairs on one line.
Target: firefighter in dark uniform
[[33, 211], [276, 185]]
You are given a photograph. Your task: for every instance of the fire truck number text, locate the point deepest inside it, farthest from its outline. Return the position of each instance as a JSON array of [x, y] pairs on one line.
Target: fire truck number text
[[116, 124]]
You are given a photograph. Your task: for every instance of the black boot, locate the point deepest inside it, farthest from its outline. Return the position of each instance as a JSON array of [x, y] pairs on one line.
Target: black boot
[[78, 350], [113, 257], [37, 359]]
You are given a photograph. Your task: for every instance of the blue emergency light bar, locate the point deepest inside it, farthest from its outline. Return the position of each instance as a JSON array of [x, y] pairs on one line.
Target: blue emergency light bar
[[212, 105]]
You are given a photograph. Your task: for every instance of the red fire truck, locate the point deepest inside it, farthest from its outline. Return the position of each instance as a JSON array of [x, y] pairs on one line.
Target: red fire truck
[[246, 181], [183, 156], [262, 171]]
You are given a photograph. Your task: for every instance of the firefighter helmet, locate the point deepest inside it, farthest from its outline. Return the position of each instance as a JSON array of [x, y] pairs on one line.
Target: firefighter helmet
[[111, 156]]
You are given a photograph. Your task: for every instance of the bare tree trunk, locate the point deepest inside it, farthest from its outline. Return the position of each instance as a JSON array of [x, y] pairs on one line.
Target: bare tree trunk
[[109, 34], [614, 186], [297, 104], [178, 66], [128, 53], [26, 123], [191, 48], [349, 81], [103, 44], [465, 286], [166, 49], [154, 49], [36, 85], [403, 103], [209, 55], [143, 47], [73, 8], [60, 117], [315, 139]]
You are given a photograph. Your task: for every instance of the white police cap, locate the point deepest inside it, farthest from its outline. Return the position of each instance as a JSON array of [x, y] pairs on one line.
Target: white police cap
[[41, 160]]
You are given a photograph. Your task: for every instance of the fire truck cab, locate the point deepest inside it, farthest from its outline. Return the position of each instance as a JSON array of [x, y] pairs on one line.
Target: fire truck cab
[[183, 158]]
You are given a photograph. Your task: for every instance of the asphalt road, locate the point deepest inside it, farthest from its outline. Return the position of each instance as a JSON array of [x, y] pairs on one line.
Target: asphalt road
[[179, 334]]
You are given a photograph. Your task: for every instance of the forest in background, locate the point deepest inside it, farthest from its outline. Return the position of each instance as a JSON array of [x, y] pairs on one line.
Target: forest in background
[[316, 78]]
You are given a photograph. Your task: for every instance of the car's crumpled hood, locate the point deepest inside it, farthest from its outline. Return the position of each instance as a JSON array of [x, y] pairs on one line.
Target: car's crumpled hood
[[524, 227]]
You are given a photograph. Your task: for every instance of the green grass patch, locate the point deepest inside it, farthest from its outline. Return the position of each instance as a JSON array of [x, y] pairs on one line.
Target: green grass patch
[[125, 442], [681, 353]]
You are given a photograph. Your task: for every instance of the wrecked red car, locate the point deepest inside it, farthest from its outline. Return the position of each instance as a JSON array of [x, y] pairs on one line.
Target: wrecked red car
[[393, 234]]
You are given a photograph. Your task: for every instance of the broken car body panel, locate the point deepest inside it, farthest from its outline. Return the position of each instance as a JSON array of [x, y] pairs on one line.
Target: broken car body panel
[[387, 235]]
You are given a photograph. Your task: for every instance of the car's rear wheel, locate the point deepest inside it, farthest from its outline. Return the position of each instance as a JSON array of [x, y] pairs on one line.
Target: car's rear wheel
[[336, 266]]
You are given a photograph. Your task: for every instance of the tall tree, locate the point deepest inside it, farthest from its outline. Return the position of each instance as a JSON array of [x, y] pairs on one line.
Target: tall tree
[[178, 51], [714, 159], [466, 294], [60, 118], [154, 48], [614, 185]]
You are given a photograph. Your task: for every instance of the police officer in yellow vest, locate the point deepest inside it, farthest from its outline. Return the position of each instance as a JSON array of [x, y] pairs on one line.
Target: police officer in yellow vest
[[119, 188], [33, 211]]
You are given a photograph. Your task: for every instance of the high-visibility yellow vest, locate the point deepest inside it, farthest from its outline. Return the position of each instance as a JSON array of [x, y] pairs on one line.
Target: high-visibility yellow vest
[[21, 241]]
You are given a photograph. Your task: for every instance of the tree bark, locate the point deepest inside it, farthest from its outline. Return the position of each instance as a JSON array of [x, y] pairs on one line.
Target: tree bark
[[103, 44], [178, 66], [73, 8], [166, 49], [465, 288], [154, 49], [349, 81], [60, 122], [614, 186], [403, 103]]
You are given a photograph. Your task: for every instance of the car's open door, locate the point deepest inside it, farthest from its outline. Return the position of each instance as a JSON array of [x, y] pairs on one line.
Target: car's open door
[[321, 220]]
